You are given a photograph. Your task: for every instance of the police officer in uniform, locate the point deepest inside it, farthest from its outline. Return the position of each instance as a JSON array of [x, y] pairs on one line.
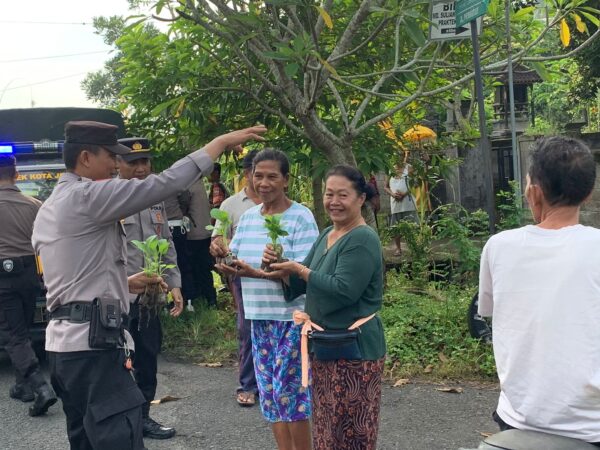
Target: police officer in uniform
[[19, 287], [82, 246], [145, 325]]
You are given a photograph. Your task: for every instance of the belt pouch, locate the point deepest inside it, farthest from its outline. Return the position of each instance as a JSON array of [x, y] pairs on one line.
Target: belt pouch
[[330, 345], [106, 324]]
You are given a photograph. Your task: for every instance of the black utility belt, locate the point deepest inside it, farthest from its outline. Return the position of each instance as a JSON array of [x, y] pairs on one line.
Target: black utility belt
[[107, 321], [15, 265]]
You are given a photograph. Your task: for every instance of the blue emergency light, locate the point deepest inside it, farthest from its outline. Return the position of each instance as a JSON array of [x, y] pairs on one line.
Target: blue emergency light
[[31, 148]]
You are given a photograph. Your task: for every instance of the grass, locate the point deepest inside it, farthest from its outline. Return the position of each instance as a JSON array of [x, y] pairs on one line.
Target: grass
[[205, 335], [426, 333]]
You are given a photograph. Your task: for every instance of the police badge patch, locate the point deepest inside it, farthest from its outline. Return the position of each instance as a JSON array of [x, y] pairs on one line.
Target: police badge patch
[[8, 265]]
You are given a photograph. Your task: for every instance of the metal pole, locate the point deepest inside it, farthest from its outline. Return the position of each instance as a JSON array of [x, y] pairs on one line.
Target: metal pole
[[484, 143], [516, 156]]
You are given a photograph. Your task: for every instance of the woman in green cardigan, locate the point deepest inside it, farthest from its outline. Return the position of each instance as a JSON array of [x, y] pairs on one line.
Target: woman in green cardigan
[[343, 280]]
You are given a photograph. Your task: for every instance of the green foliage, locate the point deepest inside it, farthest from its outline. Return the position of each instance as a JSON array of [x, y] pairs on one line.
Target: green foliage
[[223, 223], [428, 333], [274, 228], [511, 213], [154, 249], [206, 334]]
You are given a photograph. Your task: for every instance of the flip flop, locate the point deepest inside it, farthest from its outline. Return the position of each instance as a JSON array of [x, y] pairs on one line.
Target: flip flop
[[246, 399]]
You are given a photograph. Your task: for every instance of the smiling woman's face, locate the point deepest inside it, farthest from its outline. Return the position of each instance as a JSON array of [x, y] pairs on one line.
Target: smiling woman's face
[[341, 201]]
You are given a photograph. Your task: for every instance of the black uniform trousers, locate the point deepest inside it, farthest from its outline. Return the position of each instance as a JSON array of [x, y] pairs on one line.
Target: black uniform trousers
[[17, 304], [183, 262], [147, 336], [100, 398], [202, 264]]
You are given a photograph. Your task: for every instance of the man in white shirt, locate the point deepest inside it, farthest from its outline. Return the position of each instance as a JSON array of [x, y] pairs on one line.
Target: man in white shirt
[[541, 285]]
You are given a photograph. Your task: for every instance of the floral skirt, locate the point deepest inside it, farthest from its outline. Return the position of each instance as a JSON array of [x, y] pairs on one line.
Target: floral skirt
[[346, 403]]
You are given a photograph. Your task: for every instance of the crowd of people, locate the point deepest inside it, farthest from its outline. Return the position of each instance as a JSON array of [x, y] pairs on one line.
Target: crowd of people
[[311, 342]]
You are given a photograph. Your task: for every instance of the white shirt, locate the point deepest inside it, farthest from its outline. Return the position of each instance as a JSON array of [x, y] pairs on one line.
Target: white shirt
[[400, 184], [542, 288]]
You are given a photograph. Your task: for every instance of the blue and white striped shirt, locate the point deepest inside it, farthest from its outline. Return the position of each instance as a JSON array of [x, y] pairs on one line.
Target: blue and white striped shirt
[[263, 299]]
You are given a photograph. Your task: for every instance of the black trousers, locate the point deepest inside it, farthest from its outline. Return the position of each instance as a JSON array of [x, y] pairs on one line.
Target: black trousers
[[202, 264], [101, 400], [147, 335], [17, 304], [183, 263]]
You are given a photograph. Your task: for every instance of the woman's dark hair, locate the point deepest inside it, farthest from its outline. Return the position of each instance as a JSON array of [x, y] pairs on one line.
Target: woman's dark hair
[[353, 175], [271, 154], [217, 168], [564, 168], [247, 160]]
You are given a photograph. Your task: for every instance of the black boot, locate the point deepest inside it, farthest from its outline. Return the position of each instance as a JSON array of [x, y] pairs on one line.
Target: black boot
[[22, 391], [153, 429], [44, 394]]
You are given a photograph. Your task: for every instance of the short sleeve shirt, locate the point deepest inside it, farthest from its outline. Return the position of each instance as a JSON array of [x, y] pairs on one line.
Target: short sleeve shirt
[[263, 299]]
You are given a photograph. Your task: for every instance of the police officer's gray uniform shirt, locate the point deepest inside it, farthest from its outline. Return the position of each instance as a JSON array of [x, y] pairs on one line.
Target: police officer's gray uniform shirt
[[199, 212], [16, 221], [141, 226], [82, 243]]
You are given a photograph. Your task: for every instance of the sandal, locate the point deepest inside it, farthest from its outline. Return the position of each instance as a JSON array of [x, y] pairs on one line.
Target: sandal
[[246, 399]]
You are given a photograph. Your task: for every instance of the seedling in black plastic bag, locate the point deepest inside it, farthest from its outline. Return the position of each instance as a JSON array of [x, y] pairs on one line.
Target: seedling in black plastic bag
[[222, 226], [275, 230]]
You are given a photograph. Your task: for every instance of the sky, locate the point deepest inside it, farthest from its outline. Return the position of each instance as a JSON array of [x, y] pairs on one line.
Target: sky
[[33, 30]]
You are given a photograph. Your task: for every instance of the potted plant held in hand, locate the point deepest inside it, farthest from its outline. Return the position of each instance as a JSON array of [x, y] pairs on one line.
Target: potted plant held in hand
[[153, 249], [274, 230], [222, 225]]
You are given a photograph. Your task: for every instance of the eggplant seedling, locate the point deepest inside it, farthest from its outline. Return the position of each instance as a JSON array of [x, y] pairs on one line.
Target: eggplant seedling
[[222, 226], [153, 250], [274, 230]]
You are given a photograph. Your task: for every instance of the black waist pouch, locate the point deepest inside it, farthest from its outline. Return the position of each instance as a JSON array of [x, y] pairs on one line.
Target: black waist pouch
[[330, 345], [106, 324]]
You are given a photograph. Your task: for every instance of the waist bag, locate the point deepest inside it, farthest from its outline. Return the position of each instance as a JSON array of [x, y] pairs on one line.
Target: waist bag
[[328, 345], [106, 324]]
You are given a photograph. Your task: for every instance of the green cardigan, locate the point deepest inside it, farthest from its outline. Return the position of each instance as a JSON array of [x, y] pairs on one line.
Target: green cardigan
[[346, 284]]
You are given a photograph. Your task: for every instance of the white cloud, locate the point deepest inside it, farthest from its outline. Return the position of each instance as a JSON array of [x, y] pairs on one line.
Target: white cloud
[[20, 82]]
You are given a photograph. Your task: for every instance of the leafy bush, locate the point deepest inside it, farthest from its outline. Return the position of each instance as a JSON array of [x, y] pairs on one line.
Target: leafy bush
[[428, 333]]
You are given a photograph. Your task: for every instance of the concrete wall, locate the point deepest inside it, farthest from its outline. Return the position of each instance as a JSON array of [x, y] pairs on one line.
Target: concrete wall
[[590, 213]]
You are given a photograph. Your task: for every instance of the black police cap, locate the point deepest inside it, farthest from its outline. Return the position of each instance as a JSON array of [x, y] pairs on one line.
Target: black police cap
[[94, 133], [7, 161], [140, 148]]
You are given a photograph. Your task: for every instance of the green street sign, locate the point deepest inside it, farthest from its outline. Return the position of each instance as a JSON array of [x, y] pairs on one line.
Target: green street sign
[[468, 10]]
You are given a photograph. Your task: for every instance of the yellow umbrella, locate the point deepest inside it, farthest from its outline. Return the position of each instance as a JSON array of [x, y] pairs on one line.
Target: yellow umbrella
[[419, 133]]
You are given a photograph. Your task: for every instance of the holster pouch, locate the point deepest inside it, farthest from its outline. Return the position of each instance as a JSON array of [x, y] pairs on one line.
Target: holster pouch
[[106, 324], [330, 345]]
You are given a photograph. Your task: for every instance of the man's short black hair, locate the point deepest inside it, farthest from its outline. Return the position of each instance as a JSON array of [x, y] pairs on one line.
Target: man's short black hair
[[8, 167], [564, 168], [271, 154], [71, 153], [247, 160]]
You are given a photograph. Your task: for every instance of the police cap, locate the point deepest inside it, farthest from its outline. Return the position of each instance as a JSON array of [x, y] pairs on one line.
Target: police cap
[[94, 133], [7, 161], [140, 148]]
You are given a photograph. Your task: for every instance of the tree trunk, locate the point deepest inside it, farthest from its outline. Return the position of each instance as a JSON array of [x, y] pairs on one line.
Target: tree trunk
[[319, 209]]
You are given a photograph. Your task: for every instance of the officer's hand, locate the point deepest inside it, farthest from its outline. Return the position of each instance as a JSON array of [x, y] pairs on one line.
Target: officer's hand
[[217, 247], [233, 141], [177, 302], [137, 283]]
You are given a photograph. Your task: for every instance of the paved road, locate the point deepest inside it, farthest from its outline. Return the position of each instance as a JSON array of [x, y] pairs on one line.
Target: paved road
[[414, 417]]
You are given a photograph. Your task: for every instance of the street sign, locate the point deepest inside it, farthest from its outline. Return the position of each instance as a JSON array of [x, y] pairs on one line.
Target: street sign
[[467, 10], [443, 24]]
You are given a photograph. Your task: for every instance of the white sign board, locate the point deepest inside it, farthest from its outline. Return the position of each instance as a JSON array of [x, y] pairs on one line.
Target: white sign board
[[443, 23]]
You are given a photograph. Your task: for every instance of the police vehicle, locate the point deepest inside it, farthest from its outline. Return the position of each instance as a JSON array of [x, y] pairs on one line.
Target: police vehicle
[[35, 137]]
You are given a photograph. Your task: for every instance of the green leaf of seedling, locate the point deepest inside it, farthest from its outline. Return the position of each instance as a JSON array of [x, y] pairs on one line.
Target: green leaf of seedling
[[209, 228]]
